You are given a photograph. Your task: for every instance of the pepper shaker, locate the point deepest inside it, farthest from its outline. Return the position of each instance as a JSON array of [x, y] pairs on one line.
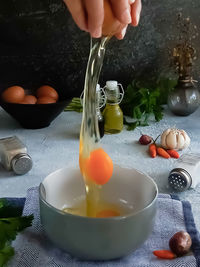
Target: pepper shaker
[[13, 155]]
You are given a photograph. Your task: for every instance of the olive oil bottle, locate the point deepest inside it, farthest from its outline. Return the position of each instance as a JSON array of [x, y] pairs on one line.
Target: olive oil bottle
[[113, 115]]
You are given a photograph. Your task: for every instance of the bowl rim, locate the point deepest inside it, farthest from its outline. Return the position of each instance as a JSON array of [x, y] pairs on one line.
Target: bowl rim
[[116, 218]]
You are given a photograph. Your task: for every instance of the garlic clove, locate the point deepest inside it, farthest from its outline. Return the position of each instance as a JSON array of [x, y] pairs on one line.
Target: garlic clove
[[187, 139], [163, 138], [171, 140], [180, 141]]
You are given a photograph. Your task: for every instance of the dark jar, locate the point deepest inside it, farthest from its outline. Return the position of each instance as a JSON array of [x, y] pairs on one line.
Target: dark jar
[[185, 98]]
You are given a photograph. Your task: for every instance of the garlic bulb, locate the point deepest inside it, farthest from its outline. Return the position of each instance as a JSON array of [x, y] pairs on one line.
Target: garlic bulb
[[175, 139]]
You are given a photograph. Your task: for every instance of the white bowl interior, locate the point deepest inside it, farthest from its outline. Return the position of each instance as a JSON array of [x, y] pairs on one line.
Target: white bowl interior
[[64, 186]]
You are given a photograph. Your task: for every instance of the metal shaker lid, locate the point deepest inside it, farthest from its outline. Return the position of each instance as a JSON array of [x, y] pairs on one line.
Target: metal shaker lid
[[179, 179], [21, 163]]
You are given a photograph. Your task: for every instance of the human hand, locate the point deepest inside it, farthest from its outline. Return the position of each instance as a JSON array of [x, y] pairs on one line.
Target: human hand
[[89, 14]]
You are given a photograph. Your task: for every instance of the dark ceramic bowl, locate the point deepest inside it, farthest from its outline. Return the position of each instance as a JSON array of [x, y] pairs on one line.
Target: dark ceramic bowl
[[35, 116]]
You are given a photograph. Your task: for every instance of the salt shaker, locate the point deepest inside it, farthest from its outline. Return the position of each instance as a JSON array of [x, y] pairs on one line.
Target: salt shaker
[[13, 155], [186, 172]]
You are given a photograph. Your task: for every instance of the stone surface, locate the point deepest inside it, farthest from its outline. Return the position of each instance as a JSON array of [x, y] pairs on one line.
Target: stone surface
[[57, 146], [39, 43]]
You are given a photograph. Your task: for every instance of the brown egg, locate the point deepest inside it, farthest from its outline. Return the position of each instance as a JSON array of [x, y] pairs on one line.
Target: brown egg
[[13, 94], [45, 100], [47, 91], [111, 25], [29, 99]]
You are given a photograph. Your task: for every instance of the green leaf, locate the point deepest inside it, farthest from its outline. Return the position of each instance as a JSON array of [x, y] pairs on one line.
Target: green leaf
[[130, 125], [137, 114], [9, 209], [144, 98], [143, 123], [129, 92], [5, 254], [158, 114], [165, 86], [9, 227]]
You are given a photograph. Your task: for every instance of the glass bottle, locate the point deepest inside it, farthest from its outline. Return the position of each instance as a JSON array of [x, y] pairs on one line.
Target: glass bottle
[[113, 115], [185, 99], [100, 102]]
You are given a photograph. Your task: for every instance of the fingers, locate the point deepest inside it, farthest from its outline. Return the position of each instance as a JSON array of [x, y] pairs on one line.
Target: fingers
[[121, 34], [136, 8], [95, 12], [89, 14], [77, 11], [121, 9]]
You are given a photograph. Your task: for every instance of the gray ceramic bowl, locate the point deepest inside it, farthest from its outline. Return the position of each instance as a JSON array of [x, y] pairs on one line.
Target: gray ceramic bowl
[[98, 238]]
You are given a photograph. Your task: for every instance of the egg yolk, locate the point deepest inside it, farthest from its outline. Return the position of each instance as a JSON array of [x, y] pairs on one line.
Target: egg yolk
[[107, 213], [98, 166]]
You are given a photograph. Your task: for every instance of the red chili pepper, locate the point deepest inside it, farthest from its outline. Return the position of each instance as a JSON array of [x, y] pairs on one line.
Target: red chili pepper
[[164, 254], [163, 153], [152, 150], [173, 153]]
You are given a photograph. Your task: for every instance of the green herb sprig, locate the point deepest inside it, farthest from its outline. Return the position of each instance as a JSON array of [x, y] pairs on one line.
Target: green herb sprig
[[10, 226], [74, 105], [143, 101]]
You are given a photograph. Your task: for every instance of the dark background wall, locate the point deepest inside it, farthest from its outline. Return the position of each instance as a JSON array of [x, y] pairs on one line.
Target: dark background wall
[[39, 43]]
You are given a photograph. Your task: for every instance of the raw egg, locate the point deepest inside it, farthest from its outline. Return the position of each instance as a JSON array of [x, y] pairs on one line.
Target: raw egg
[[111, 25], [29, 99], [107, 214], [98, 166], [13, 94], [45, 100], [47, 91]]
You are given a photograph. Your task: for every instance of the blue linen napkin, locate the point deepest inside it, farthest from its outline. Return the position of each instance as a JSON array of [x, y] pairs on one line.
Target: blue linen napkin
[[33, 249]]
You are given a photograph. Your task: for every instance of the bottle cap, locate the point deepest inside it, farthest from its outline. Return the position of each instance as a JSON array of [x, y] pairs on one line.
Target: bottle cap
[[112, 85], [21, 163], [179, 179], [112, 92]]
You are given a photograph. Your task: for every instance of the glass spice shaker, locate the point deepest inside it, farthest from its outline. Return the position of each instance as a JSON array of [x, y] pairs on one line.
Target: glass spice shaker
[[113, 115], [13, 155]]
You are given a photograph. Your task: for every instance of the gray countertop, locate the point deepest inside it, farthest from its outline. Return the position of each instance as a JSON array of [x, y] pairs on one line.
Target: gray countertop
[[57, 146]]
